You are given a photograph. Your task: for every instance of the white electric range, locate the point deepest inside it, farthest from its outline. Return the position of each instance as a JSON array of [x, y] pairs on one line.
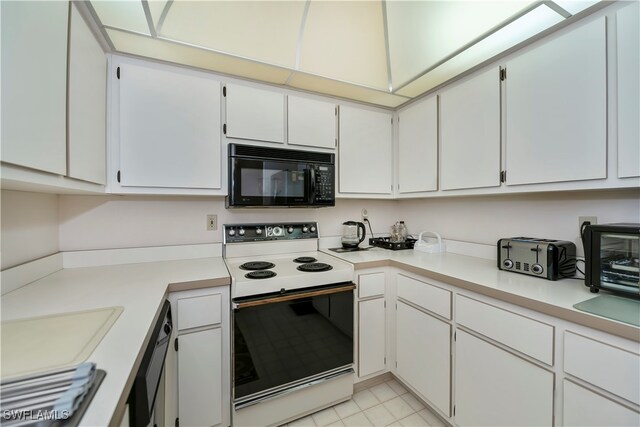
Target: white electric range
[[293, 323]]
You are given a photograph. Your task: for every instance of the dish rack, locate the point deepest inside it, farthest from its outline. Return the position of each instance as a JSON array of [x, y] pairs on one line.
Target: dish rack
[[386, 243]]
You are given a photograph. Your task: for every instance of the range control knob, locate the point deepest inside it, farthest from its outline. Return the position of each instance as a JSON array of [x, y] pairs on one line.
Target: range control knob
[[241, 232], [232, 232], [537, 268], [305, 228], [290, 229], [507, 263], [313, 229], [258, 231]]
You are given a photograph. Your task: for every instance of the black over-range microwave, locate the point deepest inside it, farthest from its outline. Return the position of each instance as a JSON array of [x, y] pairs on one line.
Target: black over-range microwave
[[274, 177]]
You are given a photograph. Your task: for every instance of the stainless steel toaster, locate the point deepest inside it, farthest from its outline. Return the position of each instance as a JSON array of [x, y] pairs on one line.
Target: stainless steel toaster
[[547, 258]]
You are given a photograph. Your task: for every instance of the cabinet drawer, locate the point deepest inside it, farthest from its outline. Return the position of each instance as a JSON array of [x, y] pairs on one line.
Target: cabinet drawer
[[371, 284], [603, 365], [423, 294], [526, 335], [199, 311]]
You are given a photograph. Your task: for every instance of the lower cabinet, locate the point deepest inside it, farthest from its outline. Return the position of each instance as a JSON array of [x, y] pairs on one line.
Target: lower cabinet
[[495, 387], [371, 336], [583, 407], [197, 376], [423, 354]]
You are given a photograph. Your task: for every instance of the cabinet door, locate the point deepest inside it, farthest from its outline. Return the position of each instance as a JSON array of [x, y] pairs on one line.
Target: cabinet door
[[87, 103], [494, 387], [470, 133], [418, 147], [628, 21], [169, 128], [556, 109], [371, 336], [582, 407], [34, 84], [311, 123], [254, 114], [365, 151], [423, 352], [200, 378]]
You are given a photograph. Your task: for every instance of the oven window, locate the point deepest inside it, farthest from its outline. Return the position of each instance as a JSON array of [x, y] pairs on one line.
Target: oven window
[[619, 259], [278, 343]]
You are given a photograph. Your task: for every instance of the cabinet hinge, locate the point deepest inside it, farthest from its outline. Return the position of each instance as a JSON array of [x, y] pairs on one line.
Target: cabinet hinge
[[336, 110], [391, 120], [503, 74], [177, 422], [336, 142], [224, 91], [118, 73], [385, 361], [503, 176], [224, 128], [175, 344], [454, 335], [454, 410], [385, 304], [118, 176], [396, 364]]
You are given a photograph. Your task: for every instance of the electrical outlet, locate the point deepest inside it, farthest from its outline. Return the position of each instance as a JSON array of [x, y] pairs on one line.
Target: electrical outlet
[[212, 222], [581, 219], [365, 214]]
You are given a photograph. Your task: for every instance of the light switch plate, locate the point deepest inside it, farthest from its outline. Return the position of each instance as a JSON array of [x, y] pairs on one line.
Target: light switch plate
[[212, 222]]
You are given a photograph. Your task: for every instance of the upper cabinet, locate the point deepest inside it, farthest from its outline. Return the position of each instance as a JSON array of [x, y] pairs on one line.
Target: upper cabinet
[[311, 123], [255, 114], [556, 109], [34, 84], [628, 38], [418, 147], [470, 132], [168, 122], [365, 151], [87, 103]]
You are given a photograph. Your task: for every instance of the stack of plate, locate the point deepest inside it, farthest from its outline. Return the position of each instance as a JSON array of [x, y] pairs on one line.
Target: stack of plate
[[46, 396]]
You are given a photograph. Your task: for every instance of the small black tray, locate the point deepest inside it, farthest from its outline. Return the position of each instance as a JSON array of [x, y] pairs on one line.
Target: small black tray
[[386, 243]]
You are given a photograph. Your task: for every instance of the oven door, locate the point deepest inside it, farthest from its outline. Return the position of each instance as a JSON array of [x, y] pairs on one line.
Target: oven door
[[289, 341], [262, 182]]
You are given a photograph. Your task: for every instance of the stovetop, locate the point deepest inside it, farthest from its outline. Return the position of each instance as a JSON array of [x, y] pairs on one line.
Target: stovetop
[[288, 274]]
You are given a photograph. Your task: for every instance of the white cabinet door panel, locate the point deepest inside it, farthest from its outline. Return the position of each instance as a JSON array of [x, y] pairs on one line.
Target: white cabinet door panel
[[423, 352], [200, 378], [556, 109], [470, 133], [371, 336], [365, 151], [255, 114], [418, 147], [169, 128], [496, 388], [582, 408], [628, 21], [311, 123], [34, 84], [87, 103]]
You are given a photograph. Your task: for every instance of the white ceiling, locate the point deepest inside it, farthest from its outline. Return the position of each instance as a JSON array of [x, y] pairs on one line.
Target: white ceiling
[[374, 51]]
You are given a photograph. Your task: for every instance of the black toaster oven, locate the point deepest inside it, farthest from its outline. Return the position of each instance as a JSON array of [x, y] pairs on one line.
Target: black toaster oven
[[611, 257]]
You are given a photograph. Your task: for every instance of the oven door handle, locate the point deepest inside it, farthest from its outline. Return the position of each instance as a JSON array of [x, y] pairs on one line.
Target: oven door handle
[[289, 297]]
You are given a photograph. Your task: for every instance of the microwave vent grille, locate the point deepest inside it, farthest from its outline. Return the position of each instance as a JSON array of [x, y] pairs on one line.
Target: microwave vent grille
[[279, 154]]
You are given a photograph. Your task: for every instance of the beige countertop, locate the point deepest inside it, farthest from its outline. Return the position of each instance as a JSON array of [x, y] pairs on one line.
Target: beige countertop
[[139, 289], [555, 298]]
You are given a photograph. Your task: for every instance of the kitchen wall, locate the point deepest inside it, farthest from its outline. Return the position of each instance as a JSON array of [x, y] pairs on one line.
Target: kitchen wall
[[29, 227], [100, 222], [486, 219]]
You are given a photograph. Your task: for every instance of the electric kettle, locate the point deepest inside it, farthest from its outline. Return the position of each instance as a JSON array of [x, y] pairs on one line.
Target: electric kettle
[[351, 236]]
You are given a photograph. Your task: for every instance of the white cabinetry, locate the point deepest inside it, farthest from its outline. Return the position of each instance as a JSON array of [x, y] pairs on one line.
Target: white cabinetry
[[423, 354], [255, 114], [198, 373], [168, 124], [311, 123], [418, 147], [628, 38], [372, 317], [365, 152], [34, 84], [470, 132], [556, 109], [87, 103], [494, 387], [582, 407]]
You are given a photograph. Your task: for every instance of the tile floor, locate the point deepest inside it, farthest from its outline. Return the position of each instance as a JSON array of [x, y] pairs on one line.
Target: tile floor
[[384, 404]]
